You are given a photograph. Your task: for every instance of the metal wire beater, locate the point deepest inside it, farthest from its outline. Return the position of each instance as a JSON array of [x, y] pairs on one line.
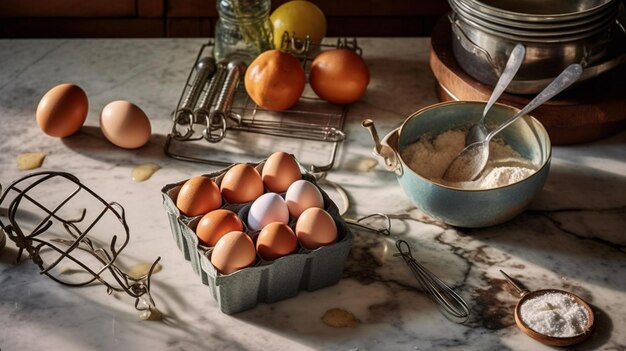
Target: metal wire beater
[[73, 255], [450, 303]]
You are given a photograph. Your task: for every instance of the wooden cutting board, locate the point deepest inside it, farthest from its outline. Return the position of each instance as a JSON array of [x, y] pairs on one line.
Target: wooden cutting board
[[593, 110]]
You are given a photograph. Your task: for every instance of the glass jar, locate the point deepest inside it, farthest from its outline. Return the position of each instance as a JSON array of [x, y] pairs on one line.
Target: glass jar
[[243, 30]]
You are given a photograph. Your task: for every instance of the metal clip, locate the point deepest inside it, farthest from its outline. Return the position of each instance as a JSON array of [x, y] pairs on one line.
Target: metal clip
[[217, 121], [204, 107], [184, 116]]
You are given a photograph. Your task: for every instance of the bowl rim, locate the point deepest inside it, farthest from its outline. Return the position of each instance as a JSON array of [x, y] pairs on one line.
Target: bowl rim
[[534, 25], [605, 21], [600, 31], [421, 111], [530, 17]]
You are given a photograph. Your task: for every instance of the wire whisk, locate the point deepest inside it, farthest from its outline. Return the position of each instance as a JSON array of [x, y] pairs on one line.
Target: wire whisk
[[74, 251], [449, 302]]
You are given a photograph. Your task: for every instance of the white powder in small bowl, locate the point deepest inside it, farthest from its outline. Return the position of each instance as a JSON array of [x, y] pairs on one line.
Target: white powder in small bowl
[[554, 314], [430, 158]]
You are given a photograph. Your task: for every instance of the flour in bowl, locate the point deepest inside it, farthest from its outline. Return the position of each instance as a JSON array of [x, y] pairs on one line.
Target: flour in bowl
[[431, 157]]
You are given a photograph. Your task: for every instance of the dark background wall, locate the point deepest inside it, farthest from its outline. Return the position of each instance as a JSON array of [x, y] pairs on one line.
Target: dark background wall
[[196, 18]]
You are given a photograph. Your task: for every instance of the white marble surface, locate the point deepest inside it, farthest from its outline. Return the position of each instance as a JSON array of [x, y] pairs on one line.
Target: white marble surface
[[572, 237]]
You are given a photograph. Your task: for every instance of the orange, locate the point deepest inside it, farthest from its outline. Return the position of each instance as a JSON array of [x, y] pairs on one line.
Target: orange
[[339, 76], [275, 80]]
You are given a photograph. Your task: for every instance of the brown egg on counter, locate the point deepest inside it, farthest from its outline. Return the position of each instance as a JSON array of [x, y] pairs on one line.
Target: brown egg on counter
[[62, 110], [276, 240], [280, 171], [241, 183], [234, 251], [215, 224], [316, 228], [198, 195], [125, 124]]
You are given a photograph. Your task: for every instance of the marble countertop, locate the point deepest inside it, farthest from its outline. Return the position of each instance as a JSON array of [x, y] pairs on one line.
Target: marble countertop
[[571, 237]]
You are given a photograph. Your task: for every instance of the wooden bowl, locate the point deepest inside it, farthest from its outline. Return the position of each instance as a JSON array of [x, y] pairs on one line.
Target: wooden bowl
[[553, 340]]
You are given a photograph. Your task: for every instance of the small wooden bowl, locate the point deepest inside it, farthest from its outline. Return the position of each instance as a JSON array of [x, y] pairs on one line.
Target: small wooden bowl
[[553, 340]]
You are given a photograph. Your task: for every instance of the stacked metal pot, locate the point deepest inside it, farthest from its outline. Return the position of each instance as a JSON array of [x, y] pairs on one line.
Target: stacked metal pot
[[556, 34]]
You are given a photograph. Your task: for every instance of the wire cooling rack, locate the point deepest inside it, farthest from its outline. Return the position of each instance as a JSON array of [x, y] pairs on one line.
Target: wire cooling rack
[[312, 130]]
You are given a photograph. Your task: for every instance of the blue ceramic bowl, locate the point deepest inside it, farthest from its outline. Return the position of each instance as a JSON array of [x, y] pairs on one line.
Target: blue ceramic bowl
[[461, 207]]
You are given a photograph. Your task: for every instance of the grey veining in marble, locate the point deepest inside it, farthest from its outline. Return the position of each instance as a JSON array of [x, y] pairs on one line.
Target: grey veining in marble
[[571, 238]]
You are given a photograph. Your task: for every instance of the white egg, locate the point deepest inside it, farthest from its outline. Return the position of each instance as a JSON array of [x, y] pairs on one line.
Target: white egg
[[266, 209], [302, 195]]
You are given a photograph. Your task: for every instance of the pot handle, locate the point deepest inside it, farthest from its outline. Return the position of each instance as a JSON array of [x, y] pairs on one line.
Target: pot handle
[[469, 45], [383, 149]]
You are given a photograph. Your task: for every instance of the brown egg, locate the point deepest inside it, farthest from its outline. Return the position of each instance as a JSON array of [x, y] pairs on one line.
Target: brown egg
[[316, 228], [242, 183], [276, 240], [280, 171], [125, 124], [62, 110], [215, 224], [234, 251], [198, 195]]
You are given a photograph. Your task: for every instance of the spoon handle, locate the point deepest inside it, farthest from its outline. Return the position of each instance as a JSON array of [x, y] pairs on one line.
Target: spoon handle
[[560, 83], [521, 291], [511, 68]]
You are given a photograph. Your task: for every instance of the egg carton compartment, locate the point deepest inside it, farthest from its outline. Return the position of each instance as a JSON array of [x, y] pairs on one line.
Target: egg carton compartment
[[312, 129], [266, 281]]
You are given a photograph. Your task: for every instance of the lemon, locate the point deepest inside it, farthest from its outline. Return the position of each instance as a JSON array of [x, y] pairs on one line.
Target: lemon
[[300, 17]]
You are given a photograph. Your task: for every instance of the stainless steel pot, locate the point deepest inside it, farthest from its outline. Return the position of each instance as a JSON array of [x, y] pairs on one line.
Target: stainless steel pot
[[578, 22], [483, 53], [601, 21], [540, 10], [555, 33]]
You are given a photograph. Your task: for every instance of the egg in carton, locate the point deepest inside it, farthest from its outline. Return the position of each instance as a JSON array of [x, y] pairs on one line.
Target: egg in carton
[[265, 281]]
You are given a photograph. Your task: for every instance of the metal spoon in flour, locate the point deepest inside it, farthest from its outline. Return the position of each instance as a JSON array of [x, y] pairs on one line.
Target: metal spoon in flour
[[471, 161], [478, 131]]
